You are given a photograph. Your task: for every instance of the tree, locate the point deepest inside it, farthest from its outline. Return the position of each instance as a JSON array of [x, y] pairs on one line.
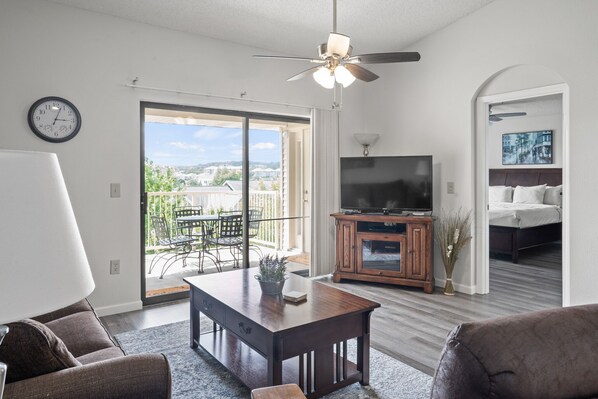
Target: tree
[[275, 186], [224, 174], [261, 186], [160, 179]]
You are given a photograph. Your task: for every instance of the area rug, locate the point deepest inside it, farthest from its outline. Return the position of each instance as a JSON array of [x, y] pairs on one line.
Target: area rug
[[197, 375]]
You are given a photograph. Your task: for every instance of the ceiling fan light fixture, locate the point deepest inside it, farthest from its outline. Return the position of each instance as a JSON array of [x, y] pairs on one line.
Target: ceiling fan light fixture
[[324, 77], [338, 44], [343, 76]]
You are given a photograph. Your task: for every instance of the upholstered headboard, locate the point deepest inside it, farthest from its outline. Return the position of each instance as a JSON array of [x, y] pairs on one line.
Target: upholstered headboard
[[525, 177]]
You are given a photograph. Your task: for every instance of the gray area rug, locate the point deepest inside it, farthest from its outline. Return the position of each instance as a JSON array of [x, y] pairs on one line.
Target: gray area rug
[[197, 375]]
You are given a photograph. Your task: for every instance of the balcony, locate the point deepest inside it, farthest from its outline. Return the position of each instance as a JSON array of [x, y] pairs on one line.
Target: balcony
[[272, 236]]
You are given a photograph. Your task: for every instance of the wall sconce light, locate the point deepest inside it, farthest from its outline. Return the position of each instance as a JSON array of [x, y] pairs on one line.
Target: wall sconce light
[[366, 140]]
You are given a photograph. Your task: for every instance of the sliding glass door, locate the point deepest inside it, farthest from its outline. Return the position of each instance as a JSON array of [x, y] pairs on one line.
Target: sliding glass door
[[220, 190]]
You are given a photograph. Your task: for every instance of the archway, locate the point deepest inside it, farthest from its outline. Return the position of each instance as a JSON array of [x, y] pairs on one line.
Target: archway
[[510, 84]]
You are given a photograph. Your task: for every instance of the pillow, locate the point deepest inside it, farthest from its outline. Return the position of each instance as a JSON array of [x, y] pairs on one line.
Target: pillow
[[554, 195], [500, 194], [529, 195], [31, 349]]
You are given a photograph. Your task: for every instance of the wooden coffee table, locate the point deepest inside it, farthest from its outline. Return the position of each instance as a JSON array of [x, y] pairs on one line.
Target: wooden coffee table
[[266, 341]]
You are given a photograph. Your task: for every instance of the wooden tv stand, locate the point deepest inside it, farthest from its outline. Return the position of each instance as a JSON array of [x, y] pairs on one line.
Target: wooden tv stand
[[391, 249]]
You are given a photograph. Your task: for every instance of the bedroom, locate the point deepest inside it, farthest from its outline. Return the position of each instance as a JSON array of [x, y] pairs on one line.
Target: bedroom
[[524, 158]]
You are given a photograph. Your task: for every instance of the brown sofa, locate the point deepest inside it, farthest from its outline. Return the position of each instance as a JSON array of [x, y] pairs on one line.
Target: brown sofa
[[69, 354], [546, 354]]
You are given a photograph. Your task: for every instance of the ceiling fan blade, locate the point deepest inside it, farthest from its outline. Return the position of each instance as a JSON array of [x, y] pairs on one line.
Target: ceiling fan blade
[[281, 57], [338, 44], [361, 73], [384, 58], [509, 114], [302, 74]]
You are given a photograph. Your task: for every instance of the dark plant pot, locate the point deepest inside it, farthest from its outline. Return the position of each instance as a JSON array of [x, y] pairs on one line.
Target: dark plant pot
[[272, 287]]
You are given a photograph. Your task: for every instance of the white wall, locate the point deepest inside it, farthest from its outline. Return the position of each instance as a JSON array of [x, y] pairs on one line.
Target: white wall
[[428, 108], [48, 49], [524, 124]]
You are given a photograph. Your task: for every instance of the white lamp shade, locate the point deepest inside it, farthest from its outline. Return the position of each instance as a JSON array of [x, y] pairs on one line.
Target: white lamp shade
[[43, 266], [343, 76], [324, 77], [366, 138], [338, 44]]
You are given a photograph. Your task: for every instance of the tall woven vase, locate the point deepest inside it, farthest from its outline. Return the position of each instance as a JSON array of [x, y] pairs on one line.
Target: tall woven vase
[[448, 285]]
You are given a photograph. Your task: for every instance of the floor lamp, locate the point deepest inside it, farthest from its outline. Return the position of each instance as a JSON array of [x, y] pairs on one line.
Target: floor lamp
[[44, 266]]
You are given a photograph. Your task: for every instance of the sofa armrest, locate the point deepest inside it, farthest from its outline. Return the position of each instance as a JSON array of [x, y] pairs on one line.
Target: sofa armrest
[[131, 377]]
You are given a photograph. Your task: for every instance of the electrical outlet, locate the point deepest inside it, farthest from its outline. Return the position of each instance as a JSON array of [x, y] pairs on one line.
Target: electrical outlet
[[450, 187], [114, 190], [115, 266]]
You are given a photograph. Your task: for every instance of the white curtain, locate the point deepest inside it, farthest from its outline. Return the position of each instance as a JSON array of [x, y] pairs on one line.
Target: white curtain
[[326, 186]]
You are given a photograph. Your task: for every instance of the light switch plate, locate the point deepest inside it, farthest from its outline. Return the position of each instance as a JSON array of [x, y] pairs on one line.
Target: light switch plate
[[450, 187], [115, 266], [114, 190]]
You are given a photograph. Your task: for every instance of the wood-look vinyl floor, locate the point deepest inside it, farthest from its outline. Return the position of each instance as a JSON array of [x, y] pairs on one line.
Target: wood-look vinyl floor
[[412, 326]]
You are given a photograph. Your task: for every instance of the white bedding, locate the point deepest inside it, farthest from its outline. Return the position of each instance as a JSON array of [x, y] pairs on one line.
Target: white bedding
[[523, 215]]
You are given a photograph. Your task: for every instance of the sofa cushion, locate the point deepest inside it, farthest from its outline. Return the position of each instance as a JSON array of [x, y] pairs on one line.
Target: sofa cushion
[[102, 354], [81, 306], [31, 349], [82, 333]]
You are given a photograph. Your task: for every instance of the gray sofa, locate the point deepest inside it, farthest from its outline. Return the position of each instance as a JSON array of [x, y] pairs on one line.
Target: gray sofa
[[69, 354], [546, 354]]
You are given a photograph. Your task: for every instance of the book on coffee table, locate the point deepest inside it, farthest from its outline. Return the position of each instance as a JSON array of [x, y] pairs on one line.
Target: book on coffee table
[[295, 296]]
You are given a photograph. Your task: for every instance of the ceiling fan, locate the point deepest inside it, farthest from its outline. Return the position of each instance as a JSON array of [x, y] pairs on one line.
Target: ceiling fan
[[336, 64], [498, 117]]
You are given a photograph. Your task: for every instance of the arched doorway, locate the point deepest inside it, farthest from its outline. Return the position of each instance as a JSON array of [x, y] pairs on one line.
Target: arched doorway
[[512, 84]]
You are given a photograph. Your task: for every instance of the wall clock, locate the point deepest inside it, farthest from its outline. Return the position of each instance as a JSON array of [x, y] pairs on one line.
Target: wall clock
[[54, 119]]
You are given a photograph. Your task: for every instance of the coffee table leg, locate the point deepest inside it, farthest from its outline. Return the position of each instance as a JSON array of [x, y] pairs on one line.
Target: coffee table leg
[[274, 365], [194, 322], [363, 350]]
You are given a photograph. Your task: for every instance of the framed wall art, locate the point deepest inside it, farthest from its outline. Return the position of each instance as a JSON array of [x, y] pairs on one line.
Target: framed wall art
[[527, 148]]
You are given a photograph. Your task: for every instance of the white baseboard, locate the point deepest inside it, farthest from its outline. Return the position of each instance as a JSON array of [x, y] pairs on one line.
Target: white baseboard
[[120, 308], [465, 289]]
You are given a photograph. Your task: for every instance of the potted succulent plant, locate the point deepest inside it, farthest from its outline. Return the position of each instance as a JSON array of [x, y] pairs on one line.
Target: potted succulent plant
[[272, 274]]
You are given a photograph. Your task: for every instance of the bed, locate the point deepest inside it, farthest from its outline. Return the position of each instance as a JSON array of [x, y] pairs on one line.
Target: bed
[[515, 226]]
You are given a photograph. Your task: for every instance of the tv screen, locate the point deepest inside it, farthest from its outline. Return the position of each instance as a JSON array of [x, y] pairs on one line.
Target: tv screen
[[394, 184]]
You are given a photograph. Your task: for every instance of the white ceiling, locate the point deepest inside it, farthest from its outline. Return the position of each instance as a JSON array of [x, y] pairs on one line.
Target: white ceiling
[[294, 27]]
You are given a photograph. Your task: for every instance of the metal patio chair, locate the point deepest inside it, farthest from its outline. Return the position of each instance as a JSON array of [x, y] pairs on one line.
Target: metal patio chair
[[173, 248], [189, 228], [228, 234]]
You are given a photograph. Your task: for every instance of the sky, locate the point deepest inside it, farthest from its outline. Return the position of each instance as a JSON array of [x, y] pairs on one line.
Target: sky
[[185, 145]]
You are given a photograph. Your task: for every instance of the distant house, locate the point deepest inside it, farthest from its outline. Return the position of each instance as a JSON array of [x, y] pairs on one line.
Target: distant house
[[266, 173]]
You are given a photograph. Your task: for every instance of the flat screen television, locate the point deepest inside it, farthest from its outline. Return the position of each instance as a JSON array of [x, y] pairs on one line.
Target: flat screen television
[[387, 184]]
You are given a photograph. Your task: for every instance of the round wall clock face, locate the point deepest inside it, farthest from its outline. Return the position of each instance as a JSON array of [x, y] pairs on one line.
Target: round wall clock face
[[54, 119]]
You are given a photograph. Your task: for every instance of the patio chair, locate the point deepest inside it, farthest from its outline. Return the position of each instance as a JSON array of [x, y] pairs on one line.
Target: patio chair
[[173, 248], [255, 219], [189, 228], [229, 234]]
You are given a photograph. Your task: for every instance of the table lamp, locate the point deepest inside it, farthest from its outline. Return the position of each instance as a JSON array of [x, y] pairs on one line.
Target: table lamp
[[43, 266]]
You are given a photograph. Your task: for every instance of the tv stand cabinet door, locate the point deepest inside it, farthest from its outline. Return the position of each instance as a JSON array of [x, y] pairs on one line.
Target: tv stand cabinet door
[[417, 247], [345, 246]]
